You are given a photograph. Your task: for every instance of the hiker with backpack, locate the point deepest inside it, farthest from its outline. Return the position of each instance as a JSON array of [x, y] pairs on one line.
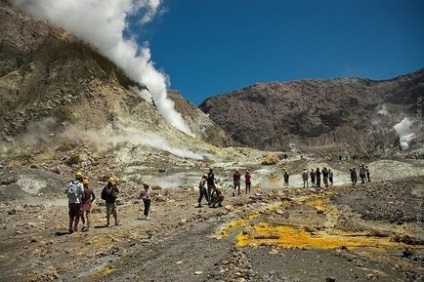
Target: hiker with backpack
[[109, 194], [305, 176], [87, 202], [144, 194], [74, 190]]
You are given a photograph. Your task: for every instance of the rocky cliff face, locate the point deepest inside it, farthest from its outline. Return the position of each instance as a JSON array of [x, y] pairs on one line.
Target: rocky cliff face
[[342, 114], [50, 80]]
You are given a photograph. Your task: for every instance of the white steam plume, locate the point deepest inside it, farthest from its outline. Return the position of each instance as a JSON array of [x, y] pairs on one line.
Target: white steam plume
[[384, 111], [406, 134], [101, 23]]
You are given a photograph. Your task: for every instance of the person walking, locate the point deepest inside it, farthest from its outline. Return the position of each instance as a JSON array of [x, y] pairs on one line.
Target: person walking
[[247, 181], [86, 205], [305, 176], [330, 177], [362, 173], [318, 177], [353, 176], [203, 192], [312, 174], [367, 171], [109, 194], [236, 180], [286, 178], [325, 176], [74, 191], [145, 195]]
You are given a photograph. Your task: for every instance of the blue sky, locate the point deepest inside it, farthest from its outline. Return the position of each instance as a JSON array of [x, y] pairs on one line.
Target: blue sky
[[211, 47]]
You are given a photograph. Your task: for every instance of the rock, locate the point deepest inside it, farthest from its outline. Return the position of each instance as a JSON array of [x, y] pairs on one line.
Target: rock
[[12, 211], [162, 170], [330, 279], [55, 170], [198, 272]]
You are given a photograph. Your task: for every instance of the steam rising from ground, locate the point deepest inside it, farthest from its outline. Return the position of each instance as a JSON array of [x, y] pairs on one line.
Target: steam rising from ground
[[405, 132], [113, 139], [101, 23]]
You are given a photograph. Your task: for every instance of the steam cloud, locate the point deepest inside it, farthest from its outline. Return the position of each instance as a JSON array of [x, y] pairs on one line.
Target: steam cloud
[[101, 23], [406, 134]]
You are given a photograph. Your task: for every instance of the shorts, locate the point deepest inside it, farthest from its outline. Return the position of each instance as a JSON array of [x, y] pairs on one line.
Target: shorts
[[110, 208], [236, 183], [74, 209], [86, 206]]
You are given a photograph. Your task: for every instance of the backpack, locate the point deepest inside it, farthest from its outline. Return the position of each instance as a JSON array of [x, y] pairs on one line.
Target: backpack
[[108, 193], [72, 191]]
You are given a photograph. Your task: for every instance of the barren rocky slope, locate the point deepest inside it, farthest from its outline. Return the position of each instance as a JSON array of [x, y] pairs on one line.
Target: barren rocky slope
[[355, 114], [49, 80]]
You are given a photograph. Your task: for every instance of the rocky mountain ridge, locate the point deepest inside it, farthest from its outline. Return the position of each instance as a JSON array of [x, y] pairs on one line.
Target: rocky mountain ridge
[[352, 114]]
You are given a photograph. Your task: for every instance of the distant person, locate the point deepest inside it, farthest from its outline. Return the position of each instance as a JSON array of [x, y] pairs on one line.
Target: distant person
[[362, 173], [236, 180], [367, 171], [247, 181], [88, 200], [286, 178], [211, 182], [325, 176], [318, 177], [353, 176], [217, 198], [109, 194], [75, 192], [305, 177], [145, 195], [203, 192], [312, 174], [330, 177], [340, 158]]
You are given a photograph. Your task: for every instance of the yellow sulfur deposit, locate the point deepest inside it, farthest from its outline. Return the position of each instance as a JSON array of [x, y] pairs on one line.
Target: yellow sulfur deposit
[[289, 237]]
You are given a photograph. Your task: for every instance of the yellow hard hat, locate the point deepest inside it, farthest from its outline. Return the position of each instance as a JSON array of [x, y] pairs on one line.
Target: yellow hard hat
[[78, 174], [85, 181], [111, 180]]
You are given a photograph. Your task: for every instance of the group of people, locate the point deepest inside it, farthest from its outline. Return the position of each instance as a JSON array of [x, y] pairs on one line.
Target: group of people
[[237, 182], [81, 197], [364, 174], [316, 175], [209, 190]]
